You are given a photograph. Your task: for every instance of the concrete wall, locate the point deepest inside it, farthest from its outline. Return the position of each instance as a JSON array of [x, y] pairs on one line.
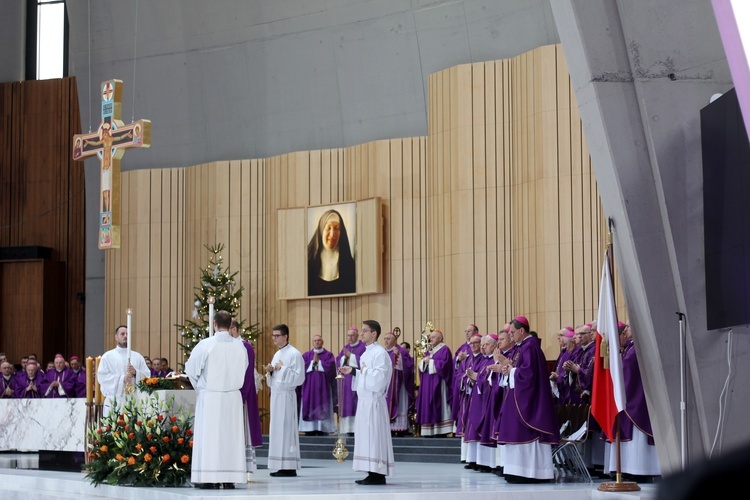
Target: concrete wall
[[641, 77]]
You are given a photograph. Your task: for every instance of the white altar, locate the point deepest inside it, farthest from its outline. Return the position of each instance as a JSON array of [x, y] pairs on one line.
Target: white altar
[[58, 424]]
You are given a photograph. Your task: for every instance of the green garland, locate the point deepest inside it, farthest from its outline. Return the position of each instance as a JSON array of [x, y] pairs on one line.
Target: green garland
[[151, 384], [141, 443]]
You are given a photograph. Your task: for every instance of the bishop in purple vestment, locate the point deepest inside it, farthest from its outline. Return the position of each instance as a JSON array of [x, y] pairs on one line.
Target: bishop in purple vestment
[[434, 395], [31, 384], [317, 391], [465, 384], [347, 400], [80, 373], [400, 394], [7, 381], [528, 422], [61, 380], [460, 363]]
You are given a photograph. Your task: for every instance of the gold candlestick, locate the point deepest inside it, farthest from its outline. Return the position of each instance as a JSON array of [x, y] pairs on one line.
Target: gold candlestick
[[339, 449]]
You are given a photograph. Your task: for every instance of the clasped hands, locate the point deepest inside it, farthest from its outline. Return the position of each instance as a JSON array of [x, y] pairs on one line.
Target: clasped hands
[[569, 366], [502, 363]]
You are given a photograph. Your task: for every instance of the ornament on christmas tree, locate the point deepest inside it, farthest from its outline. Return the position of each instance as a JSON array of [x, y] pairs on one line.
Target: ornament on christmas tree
[[219, 284]]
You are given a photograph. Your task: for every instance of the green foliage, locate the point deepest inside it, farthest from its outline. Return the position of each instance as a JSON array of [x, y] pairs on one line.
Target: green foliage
[[151, 384], [220, 284], [141, 443]]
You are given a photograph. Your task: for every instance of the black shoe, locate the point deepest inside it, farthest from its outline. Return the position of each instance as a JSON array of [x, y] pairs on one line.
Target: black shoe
[[284, 473], [227, 486], [471, 465], [207, 486], [484, 468], [372, 479], [498, 471], [524, 480]]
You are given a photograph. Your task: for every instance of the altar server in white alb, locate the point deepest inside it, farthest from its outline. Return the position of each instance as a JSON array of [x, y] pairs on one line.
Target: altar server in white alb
[[284, 374], [373, 449], [114, 373], [216, 368]]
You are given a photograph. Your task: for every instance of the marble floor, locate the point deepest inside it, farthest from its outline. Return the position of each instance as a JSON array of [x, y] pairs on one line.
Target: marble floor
[[319, 479]]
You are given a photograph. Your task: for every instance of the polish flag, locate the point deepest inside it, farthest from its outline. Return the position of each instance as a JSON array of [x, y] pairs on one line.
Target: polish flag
[[608, 392]]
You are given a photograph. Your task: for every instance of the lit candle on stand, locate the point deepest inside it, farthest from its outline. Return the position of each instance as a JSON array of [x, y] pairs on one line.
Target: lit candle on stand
[[129, 312], [211, 301]]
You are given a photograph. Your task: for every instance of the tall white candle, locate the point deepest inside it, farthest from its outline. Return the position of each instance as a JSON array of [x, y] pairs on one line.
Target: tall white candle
[[129, 312], [210, 316]]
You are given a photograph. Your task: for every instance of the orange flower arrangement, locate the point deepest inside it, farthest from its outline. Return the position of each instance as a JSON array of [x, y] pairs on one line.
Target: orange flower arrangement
[[154, 450]]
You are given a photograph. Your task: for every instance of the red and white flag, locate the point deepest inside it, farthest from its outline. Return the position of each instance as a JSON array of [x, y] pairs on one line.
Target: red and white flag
[[608, 392]]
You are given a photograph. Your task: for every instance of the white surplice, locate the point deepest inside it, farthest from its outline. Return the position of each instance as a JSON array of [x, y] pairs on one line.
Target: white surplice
[[373, 449], [112, 371], [283, 437], [216, 368]]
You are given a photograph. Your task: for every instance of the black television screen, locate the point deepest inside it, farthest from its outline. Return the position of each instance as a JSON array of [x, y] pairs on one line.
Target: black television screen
[[726, 213]]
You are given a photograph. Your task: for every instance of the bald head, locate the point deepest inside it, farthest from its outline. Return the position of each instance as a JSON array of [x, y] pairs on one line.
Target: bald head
[[317, 341], [389, 340]]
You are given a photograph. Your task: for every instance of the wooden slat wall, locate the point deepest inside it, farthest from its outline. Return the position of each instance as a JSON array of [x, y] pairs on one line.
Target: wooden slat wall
[[42, 195], [513, 205], [495, 213]]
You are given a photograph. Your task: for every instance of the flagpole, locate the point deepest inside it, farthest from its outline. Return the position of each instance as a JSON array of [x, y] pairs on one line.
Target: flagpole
[[619, 484]]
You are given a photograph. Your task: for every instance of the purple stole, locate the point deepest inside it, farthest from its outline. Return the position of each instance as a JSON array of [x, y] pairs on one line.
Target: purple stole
[[571, 378], [67, 379], [23, 382], [636, 411], [462, 396], [404, 377], [80, 383], [563, 388], [586, 372], [528, 413], [5, 384], [394, 387], [429, 399], [498, 395], [457, 376], [348, 402], [479, 405], [317, 387], [250, 397]]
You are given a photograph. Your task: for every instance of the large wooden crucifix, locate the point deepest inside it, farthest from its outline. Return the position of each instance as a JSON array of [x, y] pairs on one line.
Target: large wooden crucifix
[[110, 143]]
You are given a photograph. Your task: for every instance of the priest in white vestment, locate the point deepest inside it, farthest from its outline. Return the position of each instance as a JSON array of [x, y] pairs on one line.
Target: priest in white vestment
[[283, 375], [373, 448], [216, 368], [114, 373]]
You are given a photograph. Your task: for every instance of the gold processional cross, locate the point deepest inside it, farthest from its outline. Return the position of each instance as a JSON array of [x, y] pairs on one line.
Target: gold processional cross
[[110, 143]]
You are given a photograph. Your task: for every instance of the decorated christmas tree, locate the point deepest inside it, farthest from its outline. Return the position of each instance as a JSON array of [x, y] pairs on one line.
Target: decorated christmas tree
[[220, 284]]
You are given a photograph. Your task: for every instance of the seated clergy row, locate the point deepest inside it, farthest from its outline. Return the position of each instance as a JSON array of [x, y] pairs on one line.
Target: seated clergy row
[[61, 379]]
